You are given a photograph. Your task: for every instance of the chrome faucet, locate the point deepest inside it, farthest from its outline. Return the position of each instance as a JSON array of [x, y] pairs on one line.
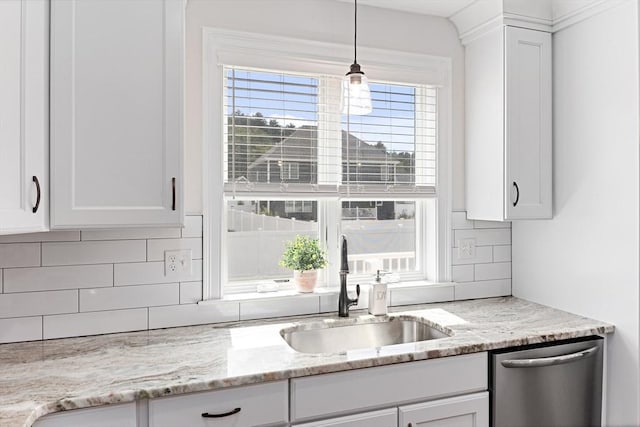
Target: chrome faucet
[[344, 302]]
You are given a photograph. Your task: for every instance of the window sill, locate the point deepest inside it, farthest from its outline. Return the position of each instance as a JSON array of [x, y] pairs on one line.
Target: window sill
[[325, 300]]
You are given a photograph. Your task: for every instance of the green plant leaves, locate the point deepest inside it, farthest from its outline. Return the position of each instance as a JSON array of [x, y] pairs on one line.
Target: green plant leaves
[[303, 253]]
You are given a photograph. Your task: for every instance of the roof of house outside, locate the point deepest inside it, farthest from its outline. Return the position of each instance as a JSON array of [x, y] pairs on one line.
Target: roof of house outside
[[302, 146]]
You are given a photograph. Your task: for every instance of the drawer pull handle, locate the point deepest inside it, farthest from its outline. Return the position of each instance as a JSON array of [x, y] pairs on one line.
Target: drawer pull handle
[[225, 414], [173, 194], [515, 184], [37, 183]]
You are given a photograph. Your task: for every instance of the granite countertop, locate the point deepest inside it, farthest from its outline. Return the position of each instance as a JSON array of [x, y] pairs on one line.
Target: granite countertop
[[41, 377]]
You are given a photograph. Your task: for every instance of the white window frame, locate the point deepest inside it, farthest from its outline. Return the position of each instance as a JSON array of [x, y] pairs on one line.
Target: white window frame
[[289, 170], [222, 47]]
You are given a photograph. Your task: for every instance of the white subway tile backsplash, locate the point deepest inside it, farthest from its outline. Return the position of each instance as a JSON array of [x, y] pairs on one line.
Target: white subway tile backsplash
[[131, 234], [100, 322], [421, 294], [74, 253], [19, 255], [38, 303], [484, 237], [122, 297], [193, 314], [190, 292], [54, 278], [502, 253], [482, 254], [50, 236], [147, 273], [486, 289], [462, 273], [262, 309], [459, 221], [157, 247], [192, 226], [498, 270], [71, 283], [20, 329]]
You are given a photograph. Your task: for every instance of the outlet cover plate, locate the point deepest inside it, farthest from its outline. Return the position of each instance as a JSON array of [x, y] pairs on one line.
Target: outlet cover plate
[[467, 248], [177, 263]]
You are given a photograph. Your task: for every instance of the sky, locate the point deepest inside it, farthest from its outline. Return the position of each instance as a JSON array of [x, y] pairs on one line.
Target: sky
[[293, 99]]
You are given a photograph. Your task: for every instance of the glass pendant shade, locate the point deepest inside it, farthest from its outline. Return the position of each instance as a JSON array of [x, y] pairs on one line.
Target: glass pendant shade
[[356, 97]]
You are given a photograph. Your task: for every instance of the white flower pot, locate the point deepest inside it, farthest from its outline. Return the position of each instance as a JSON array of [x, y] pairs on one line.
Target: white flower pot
[[305, 281]]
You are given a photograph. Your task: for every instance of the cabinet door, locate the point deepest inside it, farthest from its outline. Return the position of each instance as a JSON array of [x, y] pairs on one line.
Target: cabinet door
[[24, 116], [384, 418], [116, 113], [463, 411], [528, 124], [104, 416]]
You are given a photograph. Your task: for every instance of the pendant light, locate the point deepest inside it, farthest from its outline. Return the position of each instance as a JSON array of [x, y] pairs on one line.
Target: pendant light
[[356, 97]]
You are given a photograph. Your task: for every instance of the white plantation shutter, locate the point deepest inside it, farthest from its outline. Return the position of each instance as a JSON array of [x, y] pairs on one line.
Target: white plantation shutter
[[285, 136]]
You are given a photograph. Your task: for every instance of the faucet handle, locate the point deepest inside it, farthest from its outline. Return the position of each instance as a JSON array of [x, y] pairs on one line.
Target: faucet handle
[[355, 300]]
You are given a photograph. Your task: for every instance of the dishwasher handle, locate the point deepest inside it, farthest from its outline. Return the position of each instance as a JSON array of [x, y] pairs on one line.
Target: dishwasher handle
[[550, 361]]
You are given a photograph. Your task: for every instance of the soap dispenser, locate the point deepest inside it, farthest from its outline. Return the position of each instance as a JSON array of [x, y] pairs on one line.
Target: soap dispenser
[[378, 296]]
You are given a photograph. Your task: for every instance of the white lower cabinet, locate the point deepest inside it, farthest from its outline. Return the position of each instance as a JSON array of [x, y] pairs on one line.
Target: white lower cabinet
[[443, 392], [123, 415], [384, 418], [462, 411]]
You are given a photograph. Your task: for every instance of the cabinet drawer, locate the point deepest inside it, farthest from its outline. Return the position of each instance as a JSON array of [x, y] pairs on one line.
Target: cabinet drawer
[[385, 418], [261, 404], [462, 411], [103, 416], [321, 395]]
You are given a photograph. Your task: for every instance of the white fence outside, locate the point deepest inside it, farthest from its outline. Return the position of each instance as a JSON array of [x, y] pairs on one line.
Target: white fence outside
[[238, 220], [256, 245]]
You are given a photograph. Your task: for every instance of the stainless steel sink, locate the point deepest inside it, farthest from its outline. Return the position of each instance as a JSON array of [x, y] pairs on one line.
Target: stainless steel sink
[[330, 338]]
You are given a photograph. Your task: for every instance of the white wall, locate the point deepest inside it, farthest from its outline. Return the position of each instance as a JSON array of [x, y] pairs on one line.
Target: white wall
[[585, 260], [322, 20]]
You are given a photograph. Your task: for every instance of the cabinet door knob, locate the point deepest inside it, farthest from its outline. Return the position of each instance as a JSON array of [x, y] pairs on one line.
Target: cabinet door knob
[[173, 194], [224, 414], [35, 208], [515, 184]]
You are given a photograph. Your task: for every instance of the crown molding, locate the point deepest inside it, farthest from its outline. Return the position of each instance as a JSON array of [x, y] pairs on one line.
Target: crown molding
[[577, 15], [483, 16]]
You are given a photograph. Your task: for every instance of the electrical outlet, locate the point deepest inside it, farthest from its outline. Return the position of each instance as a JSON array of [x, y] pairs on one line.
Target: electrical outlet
[[177, 263], [466, 248]]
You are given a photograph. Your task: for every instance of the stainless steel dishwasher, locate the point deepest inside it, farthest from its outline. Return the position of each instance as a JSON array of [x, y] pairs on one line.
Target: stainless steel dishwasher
[[548, 386]]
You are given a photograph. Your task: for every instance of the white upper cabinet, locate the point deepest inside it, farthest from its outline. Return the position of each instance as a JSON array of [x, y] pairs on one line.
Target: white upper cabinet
[[24, 116], [508, 125], [116, 113]]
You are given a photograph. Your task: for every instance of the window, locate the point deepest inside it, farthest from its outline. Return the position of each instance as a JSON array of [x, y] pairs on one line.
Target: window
[[302, 206], [280, 133], [290, 163], [289, 171]]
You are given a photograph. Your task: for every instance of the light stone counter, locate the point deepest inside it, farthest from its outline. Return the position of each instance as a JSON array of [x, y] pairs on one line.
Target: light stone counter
[[41, 377]]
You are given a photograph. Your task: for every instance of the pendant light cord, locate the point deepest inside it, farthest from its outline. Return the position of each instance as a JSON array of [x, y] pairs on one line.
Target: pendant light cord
[[355, 33]]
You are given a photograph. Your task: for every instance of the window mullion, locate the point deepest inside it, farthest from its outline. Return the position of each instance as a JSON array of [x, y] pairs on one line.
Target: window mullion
[[330, 234], [329, 131]]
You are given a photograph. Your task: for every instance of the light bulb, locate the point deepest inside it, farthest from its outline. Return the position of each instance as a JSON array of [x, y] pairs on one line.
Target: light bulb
[[356, 96]]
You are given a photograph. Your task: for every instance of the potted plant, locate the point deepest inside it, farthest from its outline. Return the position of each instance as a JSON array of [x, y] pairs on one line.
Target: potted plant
[[304, 256]]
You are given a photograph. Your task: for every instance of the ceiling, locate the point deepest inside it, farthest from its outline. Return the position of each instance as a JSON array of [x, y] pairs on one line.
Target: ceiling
[[444, 8]]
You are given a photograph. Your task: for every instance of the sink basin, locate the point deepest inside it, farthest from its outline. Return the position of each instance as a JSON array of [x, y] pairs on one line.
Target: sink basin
[[328, 338]]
